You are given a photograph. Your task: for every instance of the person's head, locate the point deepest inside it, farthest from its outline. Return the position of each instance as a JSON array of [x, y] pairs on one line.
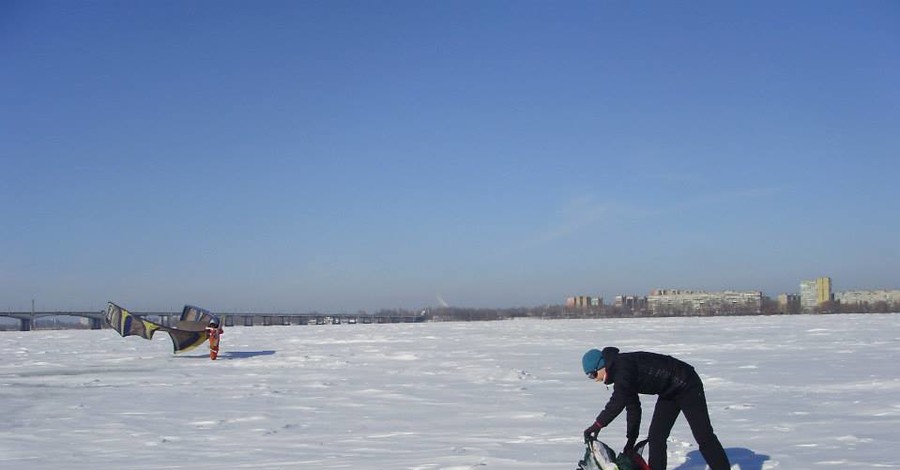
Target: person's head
[[594, 365], [214, 323]]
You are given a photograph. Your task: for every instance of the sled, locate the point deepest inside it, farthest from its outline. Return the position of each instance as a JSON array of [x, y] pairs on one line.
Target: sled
[[599, 456]]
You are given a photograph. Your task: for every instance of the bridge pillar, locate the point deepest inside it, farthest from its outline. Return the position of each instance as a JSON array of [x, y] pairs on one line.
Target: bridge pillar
[[96, 324], [25, 324]]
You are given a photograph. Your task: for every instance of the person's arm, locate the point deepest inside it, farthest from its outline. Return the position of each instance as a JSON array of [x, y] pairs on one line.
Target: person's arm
[[613, 407], [633, 416]]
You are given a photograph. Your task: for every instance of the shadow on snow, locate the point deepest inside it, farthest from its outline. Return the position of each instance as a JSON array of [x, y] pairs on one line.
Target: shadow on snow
[[745, 459], [229, 355], [245, 354]]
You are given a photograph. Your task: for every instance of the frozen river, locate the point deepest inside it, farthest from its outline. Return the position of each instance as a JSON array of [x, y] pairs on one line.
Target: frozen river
[[792, 392]]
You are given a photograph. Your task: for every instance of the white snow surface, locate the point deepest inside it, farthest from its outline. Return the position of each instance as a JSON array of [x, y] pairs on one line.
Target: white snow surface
[[791, 392]]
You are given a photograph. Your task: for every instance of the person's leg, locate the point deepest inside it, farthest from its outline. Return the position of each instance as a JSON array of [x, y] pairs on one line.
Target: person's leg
[[696, 411], [213, 346], [664, 416]]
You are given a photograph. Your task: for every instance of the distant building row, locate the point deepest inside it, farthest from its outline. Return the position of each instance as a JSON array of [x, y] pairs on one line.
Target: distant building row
[[680, 302], [583, 301], [815, 296], [852, 297]]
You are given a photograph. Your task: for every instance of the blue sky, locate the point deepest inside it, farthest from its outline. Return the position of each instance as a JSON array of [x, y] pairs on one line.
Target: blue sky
[[345, 155]]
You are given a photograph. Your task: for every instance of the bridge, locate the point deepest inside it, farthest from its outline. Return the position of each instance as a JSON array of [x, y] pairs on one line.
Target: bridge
[[28, 320]]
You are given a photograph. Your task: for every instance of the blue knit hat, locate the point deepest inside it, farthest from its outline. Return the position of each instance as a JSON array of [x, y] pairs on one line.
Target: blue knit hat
[[592, 361]]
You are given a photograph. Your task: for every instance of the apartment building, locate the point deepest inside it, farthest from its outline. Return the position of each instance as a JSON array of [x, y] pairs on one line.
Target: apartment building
[[690, 302]]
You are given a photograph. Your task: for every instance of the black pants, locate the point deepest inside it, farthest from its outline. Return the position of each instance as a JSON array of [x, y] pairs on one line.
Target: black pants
[[691, 402]]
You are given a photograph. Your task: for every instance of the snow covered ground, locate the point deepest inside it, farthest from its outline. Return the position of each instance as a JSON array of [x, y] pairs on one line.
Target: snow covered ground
[[792, 392]]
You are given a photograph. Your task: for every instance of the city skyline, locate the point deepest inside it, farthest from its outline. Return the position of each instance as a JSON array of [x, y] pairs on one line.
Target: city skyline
[[798, 291], [347, 155]]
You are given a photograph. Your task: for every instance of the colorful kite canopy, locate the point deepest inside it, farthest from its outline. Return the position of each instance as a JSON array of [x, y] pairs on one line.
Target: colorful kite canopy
[[189, 333]]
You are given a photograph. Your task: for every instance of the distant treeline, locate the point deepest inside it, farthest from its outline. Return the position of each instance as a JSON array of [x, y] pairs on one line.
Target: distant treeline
[[862, 307]]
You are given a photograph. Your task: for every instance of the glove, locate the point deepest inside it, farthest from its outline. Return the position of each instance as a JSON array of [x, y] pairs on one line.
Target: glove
[[629, 446], [590, 434]]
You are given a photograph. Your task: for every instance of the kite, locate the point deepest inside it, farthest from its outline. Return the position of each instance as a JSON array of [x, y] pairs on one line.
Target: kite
[[189, 332]]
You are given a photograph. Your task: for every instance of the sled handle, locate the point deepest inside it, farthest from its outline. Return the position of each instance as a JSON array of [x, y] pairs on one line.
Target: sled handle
[[639, 447]]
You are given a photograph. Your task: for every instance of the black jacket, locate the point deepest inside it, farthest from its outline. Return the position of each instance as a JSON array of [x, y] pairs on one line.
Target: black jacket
[[641, 373]]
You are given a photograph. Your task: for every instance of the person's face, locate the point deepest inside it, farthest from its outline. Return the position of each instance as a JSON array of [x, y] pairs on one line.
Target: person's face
[[599, 376]]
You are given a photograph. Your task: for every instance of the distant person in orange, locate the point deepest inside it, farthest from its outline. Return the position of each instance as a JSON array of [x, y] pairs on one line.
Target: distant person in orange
[[214, 331]]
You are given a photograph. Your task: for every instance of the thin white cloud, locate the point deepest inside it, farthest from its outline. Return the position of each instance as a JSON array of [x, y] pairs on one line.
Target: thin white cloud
[[723, 197], [586, 211], [574, 216]]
